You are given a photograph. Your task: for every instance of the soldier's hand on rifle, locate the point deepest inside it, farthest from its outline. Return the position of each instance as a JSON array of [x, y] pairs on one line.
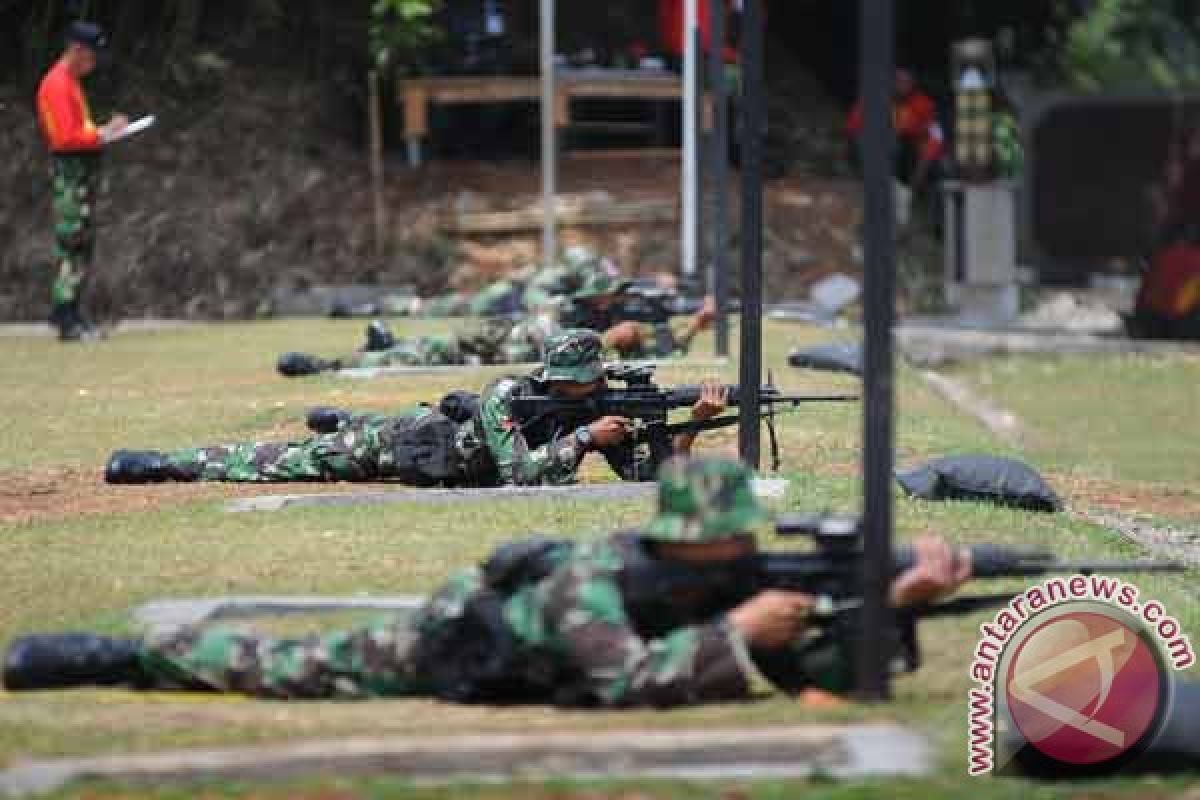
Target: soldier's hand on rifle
[[608, 431], [707, 313], [771, 618], [714, 398], [938, 571]]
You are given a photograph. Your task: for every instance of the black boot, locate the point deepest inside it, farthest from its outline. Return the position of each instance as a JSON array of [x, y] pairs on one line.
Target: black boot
[[379, 337], [295, 365], [144, 466], [63, 317], [59, 661]]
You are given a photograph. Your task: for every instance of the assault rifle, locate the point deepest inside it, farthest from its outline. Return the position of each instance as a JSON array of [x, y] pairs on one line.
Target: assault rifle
[[831, 572], [648, 406], [653, 304]]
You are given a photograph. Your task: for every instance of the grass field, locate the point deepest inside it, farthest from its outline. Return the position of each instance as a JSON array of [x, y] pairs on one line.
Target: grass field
[[1108, 432]]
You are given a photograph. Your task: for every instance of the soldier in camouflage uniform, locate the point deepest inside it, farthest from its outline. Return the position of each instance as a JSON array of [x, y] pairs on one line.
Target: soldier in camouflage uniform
[[75, 144], [596, 305], [491, 341], [562, 633], [485, 445]]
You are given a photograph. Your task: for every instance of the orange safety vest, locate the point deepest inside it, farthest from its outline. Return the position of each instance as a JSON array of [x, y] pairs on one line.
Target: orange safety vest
[[63, 113]]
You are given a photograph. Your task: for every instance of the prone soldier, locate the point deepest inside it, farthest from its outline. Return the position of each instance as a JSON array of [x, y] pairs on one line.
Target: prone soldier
[[481, 442], [522, 627]]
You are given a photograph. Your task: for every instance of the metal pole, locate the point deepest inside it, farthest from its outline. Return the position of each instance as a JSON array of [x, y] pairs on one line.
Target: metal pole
[[690, 73], [549, 145], [702, 143], [719, 166], [753, 116], [879, 307], [378, 201]]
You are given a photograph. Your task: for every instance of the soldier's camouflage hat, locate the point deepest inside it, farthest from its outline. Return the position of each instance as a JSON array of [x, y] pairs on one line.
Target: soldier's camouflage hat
[[578, 255], [576, 354], [599, 283], [704, 500]]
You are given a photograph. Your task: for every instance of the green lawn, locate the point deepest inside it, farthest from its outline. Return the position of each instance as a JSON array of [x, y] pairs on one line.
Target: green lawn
[[89, 553]]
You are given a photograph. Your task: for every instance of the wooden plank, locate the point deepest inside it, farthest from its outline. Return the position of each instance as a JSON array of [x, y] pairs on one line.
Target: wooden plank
[[531, 219], [622, 154]]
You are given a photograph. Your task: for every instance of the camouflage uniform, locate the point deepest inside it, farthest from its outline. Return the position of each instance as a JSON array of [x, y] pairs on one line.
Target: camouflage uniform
[[360, 450], [495, 341], [659, 341], [490, 449], [74, 178], [576, 641]]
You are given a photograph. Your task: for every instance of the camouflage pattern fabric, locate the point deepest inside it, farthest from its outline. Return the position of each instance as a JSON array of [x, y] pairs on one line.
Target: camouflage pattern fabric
[[415, 351], [494, 341], [360, 450], [575, 355], [495, 448], [73, 181], [659, 341], [573, 620], [1006, 141], [545, 451], [704, 499]]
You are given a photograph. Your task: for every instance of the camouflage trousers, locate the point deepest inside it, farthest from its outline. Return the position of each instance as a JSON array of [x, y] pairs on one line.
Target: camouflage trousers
[[375, 660], [73, 181], [490, 342], [415, 351], [358, 451]]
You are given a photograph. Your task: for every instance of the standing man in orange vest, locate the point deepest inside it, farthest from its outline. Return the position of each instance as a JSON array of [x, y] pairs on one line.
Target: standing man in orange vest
[[920, 144], [75, 144]]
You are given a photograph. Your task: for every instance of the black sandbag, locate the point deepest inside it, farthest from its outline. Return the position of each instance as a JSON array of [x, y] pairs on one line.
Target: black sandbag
[[989, 479], [832, 357]]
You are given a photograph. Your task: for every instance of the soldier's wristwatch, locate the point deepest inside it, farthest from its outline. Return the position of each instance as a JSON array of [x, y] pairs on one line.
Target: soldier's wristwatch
[[583, 435]]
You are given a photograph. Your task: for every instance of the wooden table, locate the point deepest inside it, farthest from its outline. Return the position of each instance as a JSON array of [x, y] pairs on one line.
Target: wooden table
[[417, 94]]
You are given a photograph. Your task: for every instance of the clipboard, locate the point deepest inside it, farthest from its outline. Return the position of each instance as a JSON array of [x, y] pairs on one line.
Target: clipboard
[[134, 128]]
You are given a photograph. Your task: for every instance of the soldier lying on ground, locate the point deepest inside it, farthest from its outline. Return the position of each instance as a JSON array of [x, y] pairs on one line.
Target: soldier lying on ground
[[492, 341], [502, 634], [457, 444], [595, 306]]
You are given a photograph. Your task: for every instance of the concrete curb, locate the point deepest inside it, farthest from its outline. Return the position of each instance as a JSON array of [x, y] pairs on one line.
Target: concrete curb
[[932, 346], [614, 491], [42, 330], [840, 751], [181, 612]]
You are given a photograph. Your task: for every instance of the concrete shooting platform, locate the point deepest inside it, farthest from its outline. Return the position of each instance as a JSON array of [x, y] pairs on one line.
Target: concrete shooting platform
[[371, 497], [164, 615], [928, 344], [850, 751], [41, 329], [385, 372], [765, 488]]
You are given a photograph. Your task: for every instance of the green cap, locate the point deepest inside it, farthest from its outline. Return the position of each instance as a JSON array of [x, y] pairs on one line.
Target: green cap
[[599, 283], [704, 500], [575, 355]]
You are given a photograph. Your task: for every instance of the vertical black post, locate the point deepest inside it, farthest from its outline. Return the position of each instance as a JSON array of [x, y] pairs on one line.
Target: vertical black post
[[876, 78], [753, 115], [719, 169], [703, 283]]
